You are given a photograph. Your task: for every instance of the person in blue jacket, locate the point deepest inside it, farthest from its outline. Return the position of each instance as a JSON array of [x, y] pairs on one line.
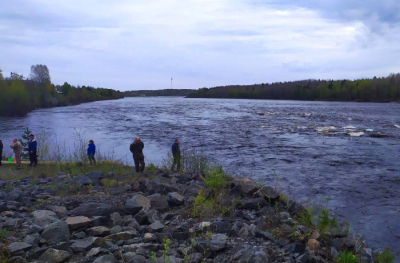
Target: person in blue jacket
[[32, 148], [91, 151]]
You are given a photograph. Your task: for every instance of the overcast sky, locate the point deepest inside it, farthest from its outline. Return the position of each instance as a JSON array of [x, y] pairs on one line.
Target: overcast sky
[[141, 44]]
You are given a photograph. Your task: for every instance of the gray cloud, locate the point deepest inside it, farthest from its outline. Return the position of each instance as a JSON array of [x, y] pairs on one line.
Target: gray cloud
[[126, 45]]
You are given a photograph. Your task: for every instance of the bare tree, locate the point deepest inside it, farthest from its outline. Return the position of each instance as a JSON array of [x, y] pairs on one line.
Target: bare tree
[[40, 74]]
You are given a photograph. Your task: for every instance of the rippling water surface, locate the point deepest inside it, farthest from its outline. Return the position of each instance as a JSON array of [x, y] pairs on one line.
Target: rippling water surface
[[349, 152]]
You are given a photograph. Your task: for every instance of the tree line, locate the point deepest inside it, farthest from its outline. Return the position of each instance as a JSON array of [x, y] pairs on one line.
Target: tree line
[[156, 93], [385, 89], [18, 96]]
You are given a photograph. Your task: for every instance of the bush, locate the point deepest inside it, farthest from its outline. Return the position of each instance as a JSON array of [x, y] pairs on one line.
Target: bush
[[346, 257], [385, 257], [325, 223], [216, 179]]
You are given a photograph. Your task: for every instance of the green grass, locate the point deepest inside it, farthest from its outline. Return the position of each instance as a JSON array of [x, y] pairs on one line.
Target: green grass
[[8, 172]]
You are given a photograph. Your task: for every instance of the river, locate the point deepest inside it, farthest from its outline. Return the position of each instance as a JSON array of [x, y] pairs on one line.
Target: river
[[347, 152]]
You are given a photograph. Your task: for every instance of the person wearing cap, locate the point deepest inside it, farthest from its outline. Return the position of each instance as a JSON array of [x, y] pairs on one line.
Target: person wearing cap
[[136, 149], [32, 148], [1, 152], [176, 153], [91, 151], [17, 148]]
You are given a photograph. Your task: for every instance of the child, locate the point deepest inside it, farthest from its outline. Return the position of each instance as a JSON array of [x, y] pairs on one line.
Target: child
[[91, 151]]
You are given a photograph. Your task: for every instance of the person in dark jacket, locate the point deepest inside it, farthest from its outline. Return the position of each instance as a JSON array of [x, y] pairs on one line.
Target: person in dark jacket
[[136, 149], [91, 151], [176, 153], [32, 148], [1, 152]]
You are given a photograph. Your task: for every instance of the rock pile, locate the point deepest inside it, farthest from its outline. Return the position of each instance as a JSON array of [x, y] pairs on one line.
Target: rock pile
[[151, 219]]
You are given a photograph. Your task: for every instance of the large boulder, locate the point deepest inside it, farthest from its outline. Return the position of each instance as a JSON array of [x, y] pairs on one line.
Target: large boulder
[[78, 222], [93, 209], [55, 233], [158, 202], [54, 256], [136, 203]]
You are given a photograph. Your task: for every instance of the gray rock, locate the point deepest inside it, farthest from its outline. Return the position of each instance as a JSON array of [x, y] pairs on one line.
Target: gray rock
[[18, 247], [95, 177], [218, 242], [157, 187], [93, 209], [106, 259], [116, 229], [126, 235], [264, 235], [268, 193], [56, 232], [157, 226], [169, 216], [196, 258], [82, 245], [136, 203], [32, 239], [78, 222], [97, 251], [98, 231], [194, 189], [252, 203], [252, 254], [54, 256], [132, 257], [44, 217], [175, 199], [366, 256], [158, 202]]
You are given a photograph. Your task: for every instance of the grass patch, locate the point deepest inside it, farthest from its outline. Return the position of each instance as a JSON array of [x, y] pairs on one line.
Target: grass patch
[[346, 257]]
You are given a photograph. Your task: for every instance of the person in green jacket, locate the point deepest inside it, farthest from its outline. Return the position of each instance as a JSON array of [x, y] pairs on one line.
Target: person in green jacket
[[136, 149]]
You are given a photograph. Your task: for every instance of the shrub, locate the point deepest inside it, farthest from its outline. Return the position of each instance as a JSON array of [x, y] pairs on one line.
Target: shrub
[[346, 257], [325, 223], [385, 257], [216, 179]]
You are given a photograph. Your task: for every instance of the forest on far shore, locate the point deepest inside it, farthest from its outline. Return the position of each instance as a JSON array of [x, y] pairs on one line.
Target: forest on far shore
[[18, 95], [385, 89]]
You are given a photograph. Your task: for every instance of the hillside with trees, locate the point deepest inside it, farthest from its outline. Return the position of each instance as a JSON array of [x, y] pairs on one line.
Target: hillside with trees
[[386, 89], [19, 96]]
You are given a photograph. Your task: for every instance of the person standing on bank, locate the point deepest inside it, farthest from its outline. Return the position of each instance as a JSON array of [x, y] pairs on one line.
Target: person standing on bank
[[91, 151], [17, 148], [138, 157], [32, 148], [176, 153], [1, 152]]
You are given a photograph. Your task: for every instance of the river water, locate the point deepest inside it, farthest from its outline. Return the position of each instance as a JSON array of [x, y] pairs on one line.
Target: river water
[[309, 149]]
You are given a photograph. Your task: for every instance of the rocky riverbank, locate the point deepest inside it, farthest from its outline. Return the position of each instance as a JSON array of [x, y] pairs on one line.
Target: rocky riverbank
[[162, 217]]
